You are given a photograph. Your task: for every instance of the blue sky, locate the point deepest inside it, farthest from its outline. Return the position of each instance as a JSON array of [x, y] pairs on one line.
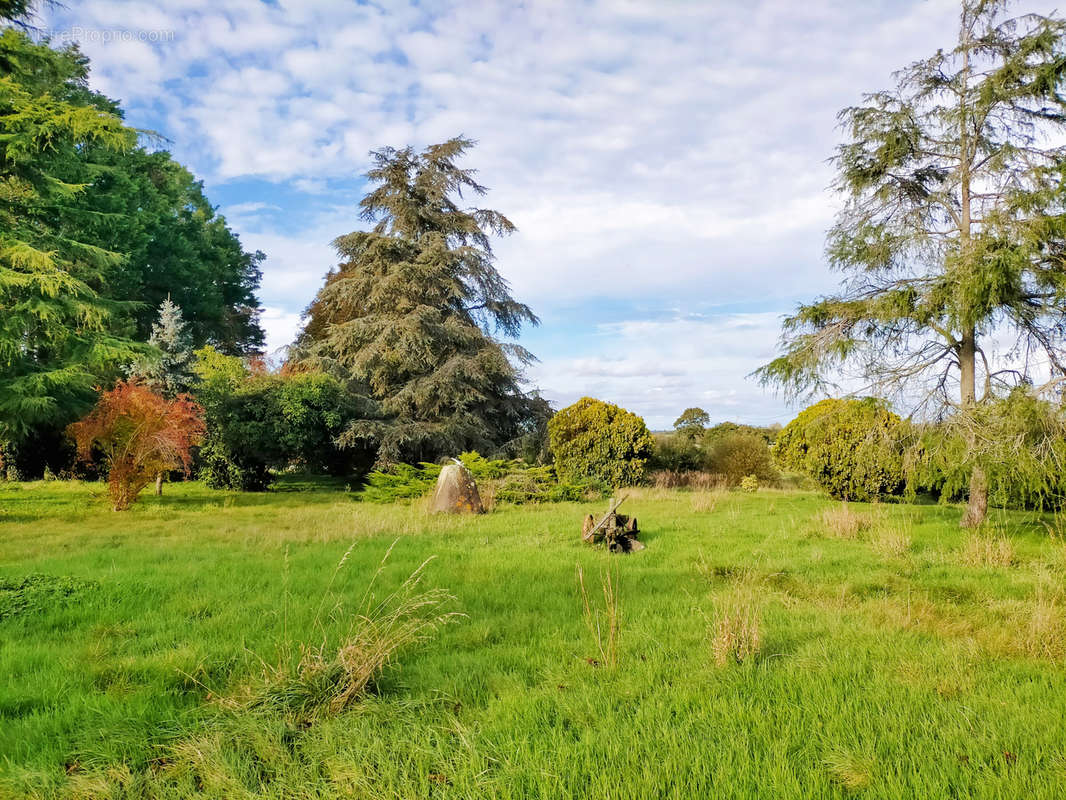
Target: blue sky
[[664, 161]]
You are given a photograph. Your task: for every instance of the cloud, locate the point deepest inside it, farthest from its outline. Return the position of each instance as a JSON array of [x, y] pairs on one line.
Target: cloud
[[660, 367], [670, 153]]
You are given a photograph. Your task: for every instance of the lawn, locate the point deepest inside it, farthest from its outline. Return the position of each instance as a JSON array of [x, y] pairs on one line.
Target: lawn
[[897, 657]]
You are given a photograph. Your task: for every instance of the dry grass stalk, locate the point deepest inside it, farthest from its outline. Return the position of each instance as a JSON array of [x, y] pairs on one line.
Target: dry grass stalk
[[707, 501], [736, 634], [843, 523], [329, 678], [605, 624], [894, 543], [988, 550]]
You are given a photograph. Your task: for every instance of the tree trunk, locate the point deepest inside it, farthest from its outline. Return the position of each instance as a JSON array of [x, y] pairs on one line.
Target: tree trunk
[[159, 485], [977, 508]]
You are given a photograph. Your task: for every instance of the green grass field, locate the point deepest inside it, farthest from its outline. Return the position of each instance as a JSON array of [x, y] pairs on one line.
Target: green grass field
[[897, 657]]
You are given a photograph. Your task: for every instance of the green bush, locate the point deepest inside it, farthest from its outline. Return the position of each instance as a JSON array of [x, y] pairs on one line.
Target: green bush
[[541, 485], [259, 421], [598, 440], [675, 452], [515, 482], [850, 447], [736, 456]]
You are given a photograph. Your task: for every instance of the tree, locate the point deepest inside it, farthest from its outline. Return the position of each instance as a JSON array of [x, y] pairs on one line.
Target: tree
[[692, 423], [258, 421], [594, 439], [141, 435], [412, 312], [169, 371], [953, 230], [147, 206], [55, 335]]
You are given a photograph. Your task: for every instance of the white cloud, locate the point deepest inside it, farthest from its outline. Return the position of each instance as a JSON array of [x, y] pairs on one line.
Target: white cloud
[[658, 368], [673, 151]]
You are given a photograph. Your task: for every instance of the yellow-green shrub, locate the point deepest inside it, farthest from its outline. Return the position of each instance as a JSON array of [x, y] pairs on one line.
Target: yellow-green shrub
[[850, 447], [594, 439]]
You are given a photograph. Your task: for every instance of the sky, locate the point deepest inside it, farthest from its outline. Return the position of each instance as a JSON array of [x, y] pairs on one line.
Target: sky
[[666, 162]]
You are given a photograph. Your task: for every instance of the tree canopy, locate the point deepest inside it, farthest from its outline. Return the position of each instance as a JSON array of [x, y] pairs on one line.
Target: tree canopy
[[95, 232], [412, 313]]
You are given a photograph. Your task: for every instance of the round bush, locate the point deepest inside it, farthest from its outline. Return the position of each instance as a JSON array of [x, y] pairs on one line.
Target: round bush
[[735, 456], [849, 447], [594, 439]]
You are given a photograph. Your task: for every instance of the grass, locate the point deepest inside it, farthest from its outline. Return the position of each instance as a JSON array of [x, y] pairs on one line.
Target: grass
[[879, 670]]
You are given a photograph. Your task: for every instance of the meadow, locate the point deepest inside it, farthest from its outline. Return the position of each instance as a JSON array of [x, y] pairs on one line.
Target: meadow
[[774, 644]]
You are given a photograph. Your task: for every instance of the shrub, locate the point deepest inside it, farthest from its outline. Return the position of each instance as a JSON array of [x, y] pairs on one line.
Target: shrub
[[593, 439], [738, 455], [259, 421], [514, 482], [675, 453], [724, 429], [851, 448], [141, 435], [750, 484]]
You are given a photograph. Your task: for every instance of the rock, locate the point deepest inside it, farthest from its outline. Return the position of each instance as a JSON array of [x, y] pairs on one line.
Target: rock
[[456, 492]]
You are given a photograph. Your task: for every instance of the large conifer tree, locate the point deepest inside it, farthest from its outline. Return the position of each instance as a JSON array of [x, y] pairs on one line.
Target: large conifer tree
[[953, 231], [413, 310]]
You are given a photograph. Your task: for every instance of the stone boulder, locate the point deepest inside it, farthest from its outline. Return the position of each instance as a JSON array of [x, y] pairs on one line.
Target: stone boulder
[[456, 492]]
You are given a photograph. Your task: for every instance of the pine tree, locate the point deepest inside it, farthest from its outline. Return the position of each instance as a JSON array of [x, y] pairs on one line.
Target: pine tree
[[412, 312], [953, 230], [170, 371]]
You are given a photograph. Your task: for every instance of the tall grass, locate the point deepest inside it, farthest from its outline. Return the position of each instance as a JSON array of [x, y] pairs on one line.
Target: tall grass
[[603, 623], [341, 668]]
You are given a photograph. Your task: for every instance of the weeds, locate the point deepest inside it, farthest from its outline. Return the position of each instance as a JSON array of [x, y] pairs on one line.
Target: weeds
[[707, 501], [604, 624], [895, 543], [853, 772], [988, 550], [329, 678], [736, 630], [841, 522]]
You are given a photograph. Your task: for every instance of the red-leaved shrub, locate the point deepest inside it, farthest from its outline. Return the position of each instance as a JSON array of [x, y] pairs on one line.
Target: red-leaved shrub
[[140, 434]]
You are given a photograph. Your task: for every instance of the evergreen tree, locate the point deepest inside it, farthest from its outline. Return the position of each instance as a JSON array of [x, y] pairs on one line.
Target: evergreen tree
[[412, 311], [170, 371], [55, 336], [953, 230]]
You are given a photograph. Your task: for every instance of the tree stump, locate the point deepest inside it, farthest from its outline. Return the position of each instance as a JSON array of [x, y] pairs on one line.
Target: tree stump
[[456, 492]]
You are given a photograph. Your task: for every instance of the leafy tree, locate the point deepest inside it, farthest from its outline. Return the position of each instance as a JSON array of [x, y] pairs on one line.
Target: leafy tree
[[953, 229], [598, 440], [141, 435], [153, 210], [55, 334], [412, 310], [692, 423], [259, 421], [852, 448]]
